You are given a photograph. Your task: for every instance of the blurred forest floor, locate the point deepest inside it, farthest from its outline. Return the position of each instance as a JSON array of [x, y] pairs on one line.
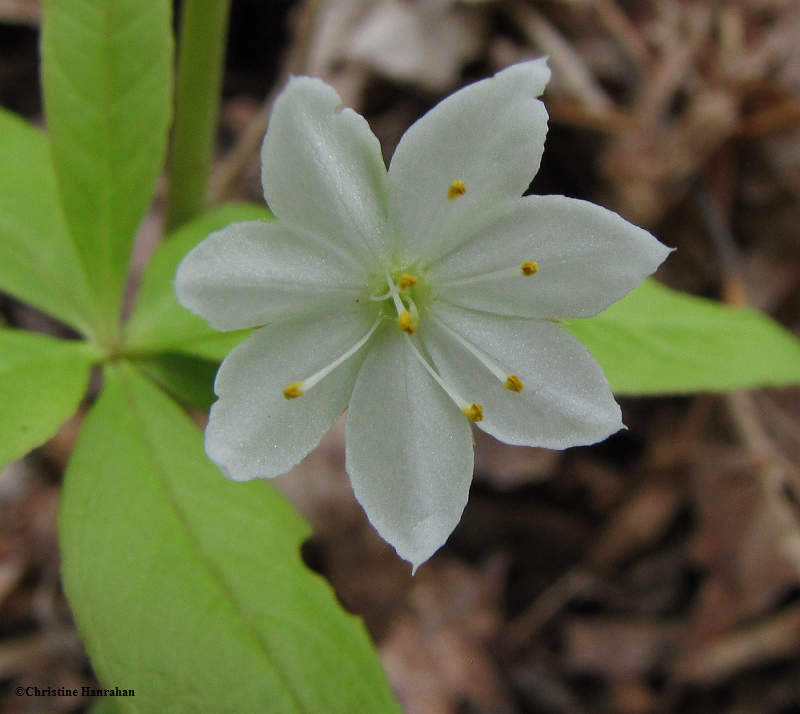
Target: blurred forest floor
[[656, 572]]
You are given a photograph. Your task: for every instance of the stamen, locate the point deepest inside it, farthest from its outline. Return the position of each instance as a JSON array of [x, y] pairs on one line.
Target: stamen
[[406, 281], [529, 267], [472, 411], [457, 188], [404, 322], [298, 389], [408, 320], [514, 383], [526, 269], [294, 390], [509, 381]]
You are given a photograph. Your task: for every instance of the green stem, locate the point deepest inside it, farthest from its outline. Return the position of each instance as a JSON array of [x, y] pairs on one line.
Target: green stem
[[204, 25]]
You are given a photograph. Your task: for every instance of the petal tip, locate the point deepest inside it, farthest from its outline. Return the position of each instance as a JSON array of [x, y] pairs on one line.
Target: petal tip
[[534, 73], [423, 540]]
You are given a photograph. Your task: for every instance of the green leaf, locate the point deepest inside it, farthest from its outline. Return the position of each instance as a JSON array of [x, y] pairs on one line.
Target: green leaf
[[38, 263], [158, 322], [188, 587], [660, 341], [214, 347], [107, 73], [187, 378], [42, 381], [104, 706]]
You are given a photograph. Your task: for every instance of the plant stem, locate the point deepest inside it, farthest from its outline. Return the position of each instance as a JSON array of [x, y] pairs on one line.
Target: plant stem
[[204, 25]]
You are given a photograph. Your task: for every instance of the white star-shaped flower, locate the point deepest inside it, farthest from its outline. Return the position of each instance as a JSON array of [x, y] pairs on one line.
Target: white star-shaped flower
[[421, 300]]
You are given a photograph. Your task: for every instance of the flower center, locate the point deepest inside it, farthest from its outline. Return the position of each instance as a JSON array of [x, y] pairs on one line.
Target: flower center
[[400, 293]]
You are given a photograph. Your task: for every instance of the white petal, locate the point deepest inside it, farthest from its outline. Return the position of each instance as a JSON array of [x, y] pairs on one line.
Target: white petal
[[588, 256], [490, 135], [566, 400], [409, 450], [253, 431], [248, 274], [322, 168]]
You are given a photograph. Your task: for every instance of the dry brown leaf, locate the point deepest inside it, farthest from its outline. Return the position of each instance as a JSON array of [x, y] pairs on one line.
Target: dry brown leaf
[[23, 12], [751, 646], [619, 648], [749, 540], [436, 653], [425, 43], [650, 165], [507, 467], [636, 524]]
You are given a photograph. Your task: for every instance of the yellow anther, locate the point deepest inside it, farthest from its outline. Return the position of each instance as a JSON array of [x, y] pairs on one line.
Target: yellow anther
[[294, 390], [407, 323], [514, 383], [529, 267], [473, 412], [457, 188], [406, 281]]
